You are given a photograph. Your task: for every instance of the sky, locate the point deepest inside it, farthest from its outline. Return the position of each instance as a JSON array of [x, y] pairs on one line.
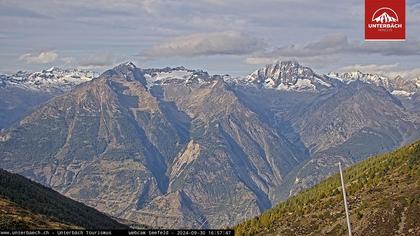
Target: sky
[[220, 36]]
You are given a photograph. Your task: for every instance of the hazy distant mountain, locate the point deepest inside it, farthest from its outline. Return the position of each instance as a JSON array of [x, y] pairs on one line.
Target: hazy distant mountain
[[383, 195], [398, 86], [22, 92], [50, 80], [349, 124], [176, 147]]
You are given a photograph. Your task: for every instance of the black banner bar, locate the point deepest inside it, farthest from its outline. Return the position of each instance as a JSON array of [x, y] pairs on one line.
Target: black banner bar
[[131, 232]]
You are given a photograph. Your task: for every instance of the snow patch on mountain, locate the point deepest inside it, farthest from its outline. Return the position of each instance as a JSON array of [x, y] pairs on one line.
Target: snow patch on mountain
[[176, 75], [398, 86], [50, 80], [284, 76], [349, 77], [401, 93], [288, 75]]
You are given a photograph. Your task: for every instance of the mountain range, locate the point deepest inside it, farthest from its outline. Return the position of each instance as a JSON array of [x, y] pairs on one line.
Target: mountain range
[[178, 148]]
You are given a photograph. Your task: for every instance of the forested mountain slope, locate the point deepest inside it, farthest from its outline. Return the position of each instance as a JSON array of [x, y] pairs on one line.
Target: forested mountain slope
[[383, 194]]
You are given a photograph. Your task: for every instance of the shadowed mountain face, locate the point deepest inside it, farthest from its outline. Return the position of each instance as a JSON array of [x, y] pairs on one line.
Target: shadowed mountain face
[[22, 92], [16, 102], [346, 123], [196, 151], [349, 125]]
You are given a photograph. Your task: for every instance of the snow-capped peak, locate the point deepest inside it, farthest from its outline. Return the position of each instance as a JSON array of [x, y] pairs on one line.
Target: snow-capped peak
[[175, 75], [50, 80], [398, 85], [52, 69], [348, 77], [288, 75], [130, 65]]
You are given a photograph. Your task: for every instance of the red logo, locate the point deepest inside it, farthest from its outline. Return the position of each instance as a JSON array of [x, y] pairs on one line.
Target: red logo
[[385, 20]]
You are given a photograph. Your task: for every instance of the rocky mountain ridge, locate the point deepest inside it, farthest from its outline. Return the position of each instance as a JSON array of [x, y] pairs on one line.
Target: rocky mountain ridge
[[398, 86], [281, 75], [288, 75], [50, 80]]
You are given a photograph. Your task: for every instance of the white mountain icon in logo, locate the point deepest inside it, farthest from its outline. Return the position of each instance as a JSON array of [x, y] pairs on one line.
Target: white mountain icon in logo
[[385, 17]]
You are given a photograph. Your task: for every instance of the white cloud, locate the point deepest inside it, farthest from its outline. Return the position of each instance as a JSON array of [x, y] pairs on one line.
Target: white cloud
[[40, 58], [259, 60], [89, 61], [413, 73], [315, 62], [67, 60], [96, 60], [215, 43], [339, 44], [124, 25], [369, 68], [331, 49]]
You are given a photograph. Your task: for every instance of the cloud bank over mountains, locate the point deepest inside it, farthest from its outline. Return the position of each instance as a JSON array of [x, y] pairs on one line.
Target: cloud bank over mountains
[[39, 58], [234, 34], [214, 43]]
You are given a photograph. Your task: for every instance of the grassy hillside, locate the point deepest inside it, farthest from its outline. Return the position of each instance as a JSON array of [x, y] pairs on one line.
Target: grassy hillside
[[25, 204], [383, 194], [14, 217]]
